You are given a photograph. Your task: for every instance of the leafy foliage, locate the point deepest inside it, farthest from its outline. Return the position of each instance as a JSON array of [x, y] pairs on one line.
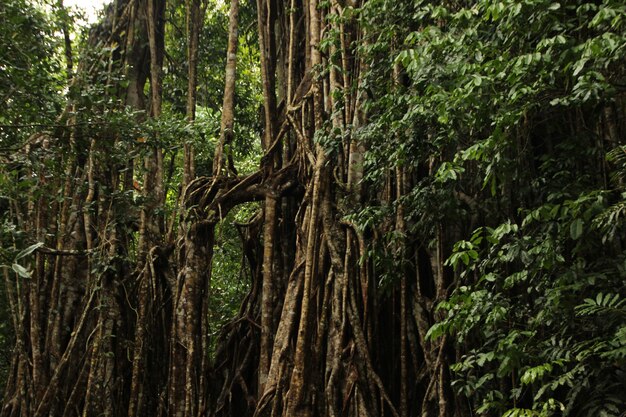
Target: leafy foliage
[[30, 71], [503, 115], [507, 117], [48, 121]]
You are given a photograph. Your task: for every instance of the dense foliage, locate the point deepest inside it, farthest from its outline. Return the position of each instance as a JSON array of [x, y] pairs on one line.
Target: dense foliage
[[51, 113], [511, 117], [30, 69], [30, 85], [439, 186]]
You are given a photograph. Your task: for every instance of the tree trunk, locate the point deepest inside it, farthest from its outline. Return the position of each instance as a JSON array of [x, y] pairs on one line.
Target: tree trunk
[[110, 327]]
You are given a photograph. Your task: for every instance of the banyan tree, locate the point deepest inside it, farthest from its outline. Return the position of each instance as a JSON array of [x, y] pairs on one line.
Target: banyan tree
[[110, 299]]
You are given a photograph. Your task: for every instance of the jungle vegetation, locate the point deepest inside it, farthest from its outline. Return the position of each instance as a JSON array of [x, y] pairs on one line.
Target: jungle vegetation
[[299, 208]]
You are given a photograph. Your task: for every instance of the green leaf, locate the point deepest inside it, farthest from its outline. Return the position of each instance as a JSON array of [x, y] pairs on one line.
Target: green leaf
[[437, 330], [578, 67], [485, 357], [576, 229], [28, 250], [535, 373], [21, 271], [520, 412], [493, 186]]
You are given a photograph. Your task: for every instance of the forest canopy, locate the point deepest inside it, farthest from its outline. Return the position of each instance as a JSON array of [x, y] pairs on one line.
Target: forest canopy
[[309, 208]]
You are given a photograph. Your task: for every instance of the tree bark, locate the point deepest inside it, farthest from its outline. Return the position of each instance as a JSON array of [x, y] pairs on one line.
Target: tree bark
[[228, 107]]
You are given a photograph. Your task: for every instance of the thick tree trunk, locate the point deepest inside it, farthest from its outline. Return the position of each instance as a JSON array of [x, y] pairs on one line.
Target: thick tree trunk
[[194, 21], [228, 107], [316, 335]]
